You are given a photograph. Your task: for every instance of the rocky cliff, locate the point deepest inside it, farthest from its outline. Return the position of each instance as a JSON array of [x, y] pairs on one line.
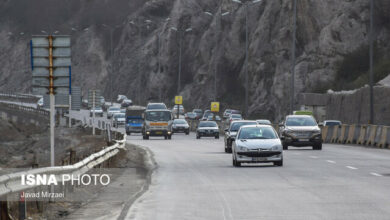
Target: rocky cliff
[[128, 47]]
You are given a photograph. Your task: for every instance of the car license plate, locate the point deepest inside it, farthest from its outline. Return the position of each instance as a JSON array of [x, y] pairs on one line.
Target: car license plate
[[159, 132], [258, 159], [303, 139]]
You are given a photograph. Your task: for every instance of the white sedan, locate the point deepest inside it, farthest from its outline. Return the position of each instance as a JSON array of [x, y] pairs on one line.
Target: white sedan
[[257, 144]]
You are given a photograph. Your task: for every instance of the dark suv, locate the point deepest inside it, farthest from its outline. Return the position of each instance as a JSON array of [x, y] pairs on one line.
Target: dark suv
[[299, 131]]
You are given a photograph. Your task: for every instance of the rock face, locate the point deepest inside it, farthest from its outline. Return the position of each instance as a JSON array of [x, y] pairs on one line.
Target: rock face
[[144, 60]]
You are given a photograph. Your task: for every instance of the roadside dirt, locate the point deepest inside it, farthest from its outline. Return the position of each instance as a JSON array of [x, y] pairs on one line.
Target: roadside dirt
[[28, 145]]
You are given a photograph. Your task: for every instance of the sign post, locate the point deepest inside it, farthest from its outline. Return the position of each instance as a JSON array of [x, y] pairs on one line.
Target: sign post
[[93, 102], [50, 62], [70, 96], [214, 108], [178, 102], [93, 111]]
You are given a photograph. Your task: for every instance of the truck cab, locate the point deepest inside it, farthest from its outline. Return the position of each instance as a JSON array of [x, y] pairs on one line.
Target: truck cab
[[157, 122]]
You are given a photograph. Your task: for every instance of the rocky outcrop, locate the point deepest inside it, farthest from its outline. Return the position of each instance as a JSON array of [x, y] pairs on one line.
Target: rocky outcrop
[[327, 31]]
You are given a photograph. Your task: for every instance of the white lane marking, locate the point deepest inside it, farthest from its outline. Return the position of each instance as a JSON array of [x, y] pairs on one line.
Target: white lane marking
[[376, 174], [331, 161], [351, 167], [314, 157]]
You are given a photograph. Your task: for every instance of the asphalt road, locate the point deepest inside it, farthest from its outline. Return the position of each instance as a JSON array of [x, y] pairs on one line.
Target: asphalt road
[[195, 179]]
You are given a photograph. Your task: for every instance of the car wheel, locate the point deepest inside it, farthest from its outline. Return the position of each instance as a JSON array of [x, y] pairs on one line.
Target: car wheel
[[128, 133], [279, 163], [145, 137], [229, 150], [165, 137], [197, 136], [234, 162], [317, 147], [226, 150], [217, 137], [285, 147], [228, 143], [169, 137], [188, 132]]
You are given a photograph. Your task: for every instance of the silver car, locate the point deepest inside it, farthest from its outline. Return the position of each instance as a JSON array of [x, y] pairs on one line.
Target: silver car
[[257, 144]]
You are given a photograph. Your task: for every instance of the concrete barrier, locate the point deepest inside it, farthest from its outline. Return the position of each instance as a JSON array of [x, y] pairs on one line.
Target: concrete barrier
[[342, 138], [384, 139], [362, 135], [351, 135], [335, 134], [324, 133], [371, 135]]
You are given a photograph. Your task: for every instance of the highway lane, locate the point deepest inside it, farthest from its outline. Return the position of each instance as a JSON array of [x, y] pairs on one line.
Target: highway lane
[[195, 179]]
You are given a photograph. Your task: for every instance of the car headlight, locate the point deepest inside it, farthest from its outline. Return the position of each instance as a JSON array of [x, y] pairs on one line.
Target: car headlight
[[243, 149], [276, 148], [317, 132]]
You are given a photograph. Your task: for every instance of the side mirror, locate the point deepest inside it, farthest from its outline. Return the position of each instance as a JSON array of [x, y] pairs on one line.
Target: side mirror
[[226, 130], [281, 125], [321, 124]]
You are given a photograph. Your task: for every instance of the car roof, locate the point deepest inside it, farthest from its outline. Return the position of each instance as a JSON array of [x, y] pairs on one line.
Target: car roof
[[157, 110], [256, 126], [238, 121], [156, 103], [299, 116]]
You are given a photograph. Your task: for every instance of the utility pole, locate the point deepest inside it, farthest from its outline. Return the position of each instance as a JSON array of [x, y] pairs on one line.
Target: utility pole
[[246, 62], [293, 58], [179, 76], [159, 64], [93, 111], [246, 5], [70, 96], [371, 39], [181, 34], [112, 68]]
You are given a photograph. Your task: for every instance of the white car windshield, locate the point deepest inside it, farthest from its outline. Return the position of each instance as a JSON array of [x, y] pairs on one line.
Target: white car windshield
[[121, 115], [158, 116], [179, 121], [204, 124], [237, 125], [257, 133]]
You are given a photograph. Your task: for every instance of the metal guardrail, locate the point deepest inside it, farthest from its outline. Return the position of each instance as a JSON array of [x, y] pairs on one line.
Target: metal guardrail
[[16, 95], [26, 108], [11, 183]]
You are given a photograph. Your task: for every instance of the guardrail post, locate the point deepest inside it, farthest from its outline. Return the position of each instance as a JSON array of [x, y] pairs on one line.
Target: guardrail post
[[4, 209], [22, 207]]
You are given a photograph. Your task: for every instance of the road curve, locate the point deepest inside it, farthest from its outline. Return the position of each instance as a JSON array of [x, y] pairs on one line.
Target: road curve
[[195, 179]]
